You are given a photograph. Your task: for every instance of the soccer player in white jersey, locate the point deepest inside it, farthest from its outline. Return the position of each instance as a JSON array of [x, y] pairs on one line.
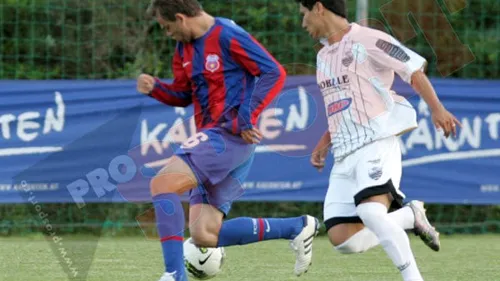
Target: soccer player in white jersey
[[355, 72]]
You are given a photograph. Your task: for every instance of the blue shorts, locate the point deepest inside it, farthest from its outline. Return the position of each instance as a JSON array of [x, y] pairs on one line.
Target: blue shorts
[[221, 162]]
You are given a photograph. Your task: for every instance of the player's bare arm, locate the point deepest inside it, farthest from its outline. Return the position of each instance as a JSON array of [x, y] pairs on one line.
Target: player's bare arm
[[320, 151], [441, 118]]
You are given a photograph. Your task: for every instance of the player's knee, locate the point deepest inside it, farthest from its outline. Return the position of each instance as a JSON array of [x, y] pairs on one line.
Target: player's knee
[[353, 238], [340, 233], [159, 184], [343, 243], [335, 239], [156, 186], [175, 177]]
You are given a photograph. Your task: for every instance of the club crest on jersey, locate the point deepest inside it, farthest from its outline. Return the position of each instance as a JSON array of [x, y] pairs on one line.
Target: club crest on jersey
[[338, 106], [375, 173], [347, 60], [212, 63]]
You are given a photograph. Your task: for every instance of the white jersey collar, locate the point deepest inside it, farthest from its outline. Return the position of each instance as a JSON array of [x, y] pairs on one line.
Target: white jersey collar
[[354, 28]]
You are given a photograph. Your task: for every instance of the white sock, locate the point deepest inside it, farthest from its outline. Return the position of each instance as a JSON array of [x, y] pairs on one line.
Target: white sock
[[392, 237], [360, 242], [403, 217], [365, 239]]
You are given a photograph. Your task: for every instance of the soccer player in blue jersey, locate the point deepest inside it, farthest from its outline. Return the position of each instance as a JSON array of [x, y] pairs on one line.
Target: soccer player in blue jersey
[[229, 78]]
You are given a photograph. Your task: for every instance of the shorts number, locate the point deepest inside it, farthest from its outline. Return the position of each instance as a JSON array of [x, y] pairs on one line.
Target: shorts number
[[194, 140]]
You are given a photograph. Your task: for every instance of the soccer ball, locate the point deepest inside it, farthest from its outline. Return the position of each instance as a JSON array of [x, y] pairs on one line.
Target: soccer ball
[[202, 263]]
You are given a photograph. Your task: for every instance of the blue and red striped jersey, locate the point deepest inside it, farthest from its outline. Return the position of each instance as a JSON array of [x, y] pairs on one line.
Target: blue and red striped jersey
[[226, 74]]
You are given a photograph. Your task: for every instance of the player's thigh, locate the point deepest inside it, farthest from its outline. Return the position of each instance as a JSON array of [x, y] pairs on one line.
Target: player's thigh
[[207, 156], [378, 173], [211, 203], [221, 196], [214, 154], [221, 162], [175, 177], [223, 193]]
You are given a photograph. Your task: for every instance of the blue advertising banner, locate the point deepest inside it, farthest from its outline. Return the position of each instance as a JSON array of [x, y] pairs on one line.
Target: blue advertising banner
[[101, 141]]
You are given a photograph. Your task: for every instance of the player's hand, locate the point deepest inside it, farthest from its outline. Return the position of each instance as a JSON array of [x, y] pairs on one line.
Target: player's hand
[[252, 135], [445, 121], [320, 151], [145, 83]]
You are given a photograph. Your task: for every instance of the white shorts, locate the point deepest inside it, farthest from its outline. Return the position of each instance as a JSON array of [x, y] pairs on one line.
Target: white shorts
[[371, 170]]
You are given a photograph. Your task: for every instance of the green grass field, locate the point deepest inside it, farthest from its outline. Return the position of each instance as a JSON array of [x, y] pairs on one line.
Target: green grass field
[[464, 258]]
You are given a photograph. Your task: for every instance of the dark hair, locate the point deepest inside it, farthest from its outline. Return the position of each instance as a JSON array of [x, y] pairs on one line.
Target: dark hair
[[168, 8], [337, 7]]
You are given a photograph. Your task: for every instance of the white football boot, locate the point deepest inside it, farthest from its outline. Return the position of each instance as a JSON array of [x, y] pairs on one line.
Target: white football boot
[[303, 244], [168, 276], [423, 227]]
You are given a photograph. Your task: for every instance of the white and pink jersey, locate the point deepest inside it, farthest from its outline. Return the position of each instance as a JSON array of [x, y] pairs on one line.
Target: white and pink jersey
[[355, 77]]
